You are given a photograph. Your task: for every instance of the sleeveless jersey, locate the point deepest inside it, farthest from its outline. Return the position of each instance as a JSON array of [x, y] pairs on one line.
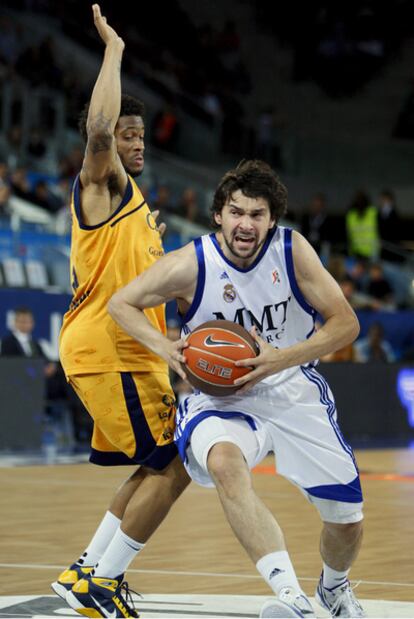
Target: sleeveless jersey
[[104, 258], [265, 295]]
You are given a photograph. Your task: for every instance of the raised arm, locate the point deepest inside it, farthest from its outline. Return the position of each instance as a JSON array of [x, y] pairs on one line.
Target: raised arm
[[174, 276], [101, 159]]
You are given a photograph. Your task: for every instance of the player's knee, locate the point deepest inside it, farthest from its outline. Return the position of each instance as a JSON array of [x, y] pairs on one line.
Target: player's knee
[[224, 463], [348, 534]]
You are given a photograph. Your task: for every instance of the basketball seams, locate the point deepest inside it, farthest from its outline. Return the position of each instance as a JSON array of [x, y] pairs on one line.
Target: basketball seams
[[213, 354], [209, 382]]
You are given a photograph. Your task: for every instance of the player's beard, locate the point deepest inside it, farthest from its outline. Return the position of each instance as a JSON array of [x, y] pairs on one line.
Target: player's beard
[[133, 173], [230, 243]]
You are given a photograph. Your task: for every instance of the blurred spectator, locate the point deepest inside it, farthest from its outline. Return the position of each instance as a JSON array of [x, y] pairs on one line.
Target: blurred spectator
[[336, 266], [71, 163], [362, 228], [315, 223], [347, 353], [37, 64], [356, 299], [359, 274], [14, 145], [187, 206], [379, 288], [20, 343], [266, 138], [374, 347], [43, 197], [162, 200], [36, 146], [165, 127], [211, 102], [389, 224], [10, 42], [20, 183], [4, 191], [228, 39]]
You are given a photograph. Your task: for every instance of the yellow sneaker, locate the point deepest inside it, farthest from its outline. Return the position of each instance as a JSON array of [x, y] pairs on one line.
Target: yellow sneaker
[[68, 578], [102, 597]]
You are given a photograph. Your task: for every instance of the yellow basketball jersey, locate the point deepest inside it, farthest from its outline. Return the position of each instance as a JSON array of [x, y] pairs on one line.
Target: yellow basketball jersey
[[104, 258]]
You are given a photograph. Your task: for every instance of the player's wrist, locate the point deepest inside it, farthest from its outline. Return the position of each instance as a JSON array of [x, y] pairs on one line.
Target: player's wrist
[[116, 45]]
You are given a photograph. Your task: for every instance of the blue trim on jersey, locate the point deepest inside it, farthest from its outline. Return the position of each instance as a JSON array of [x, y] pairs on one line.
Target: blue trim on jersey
[[201, 279], [291, 274], [260, 255], [183, 440], [77, 204], [311, 332], [346, 493]]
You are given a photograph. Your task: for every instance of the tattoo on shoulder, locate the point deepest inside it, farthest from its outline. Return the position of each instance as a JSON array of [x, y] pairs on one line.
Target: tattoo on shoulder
[[100, 135]]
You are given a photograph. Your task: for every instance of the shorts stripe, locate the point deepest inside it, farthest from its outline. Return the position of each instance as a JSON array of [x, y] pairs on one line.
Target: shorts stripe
[[318, 380], [346, 493], [182, 439], [145, 443]]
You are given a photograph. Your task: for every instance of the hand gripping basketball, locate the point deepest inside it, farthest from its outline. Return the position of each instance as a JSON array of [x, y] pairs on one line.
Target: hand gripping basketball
[[213, 348]]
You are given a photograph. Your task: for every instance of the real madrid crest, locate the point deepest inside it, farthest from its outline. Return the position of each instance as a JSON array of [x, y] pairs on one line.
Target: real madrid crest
[[229, 293]]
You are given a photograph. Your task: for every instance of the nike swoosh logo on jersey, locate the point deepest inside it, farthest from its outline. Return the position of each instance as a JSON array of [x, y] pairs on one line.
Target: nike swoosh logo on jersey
[[210, 342]]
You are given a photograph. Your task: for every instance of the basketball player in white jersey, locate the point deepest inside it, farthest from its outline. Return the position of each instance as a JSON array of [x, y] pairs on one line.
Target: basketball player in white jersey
[[270, 280]]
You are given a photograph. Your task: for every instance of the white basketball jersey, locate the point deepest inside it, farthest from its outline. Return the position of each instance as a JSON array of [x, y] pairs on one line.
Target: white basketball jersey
[[265, 295]]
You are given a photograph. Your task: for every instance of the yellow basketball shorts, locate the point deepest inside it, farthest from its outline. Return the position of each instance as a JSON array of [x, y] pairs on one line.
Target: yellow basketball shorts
[[134, 417]]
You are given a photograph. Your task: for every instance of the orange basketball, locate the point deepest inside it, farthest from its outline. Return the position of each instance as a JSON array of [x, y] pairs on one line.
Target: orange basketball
[[213, 348]]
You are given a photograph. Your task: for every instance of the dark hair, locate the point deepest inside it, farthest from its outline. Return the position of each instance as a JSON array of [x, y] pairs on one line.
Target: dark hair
[[388, 194], [129, 107], [255, 179], [23, 310], [360, 201]]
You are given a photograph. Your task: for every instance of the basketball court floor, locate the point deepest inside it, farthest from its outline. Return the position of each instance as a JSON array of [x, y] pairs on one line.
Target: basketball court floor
[[193, 567]]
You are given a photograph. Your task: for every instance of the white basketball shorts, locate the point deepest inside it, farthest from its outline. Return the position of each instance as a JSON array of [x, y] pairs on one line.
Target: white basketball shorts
[[297, 420]]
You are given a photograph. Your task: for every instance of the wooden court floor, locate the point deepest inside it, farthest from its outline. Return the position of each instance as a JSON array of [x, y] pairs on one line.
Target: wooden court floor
[[48, 514]]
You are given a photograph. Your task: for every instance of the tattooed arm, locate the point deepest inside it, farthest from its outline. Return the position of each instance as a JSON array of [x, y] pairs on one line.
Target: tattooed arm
[[101, 161]]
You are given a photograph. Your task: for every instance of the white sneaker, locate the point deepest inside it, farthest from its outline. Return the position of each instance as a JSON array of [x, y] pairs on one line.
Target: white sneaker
[[289, 603], [339, 601]]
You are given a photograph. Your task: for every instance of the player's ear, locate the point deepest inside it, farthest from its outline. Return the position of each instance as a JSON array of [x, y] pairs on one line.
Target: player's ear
[[217, 218]]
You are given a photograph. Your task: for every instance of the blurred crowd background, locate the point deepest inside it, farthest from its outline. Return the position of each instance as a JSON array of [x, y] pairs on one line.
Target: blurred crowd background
[[323, 91]]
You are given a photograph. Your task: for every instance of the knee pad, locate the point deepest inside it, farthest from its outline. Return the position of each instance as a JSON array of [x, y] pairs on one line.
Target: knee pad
[[213, 430], [338, 512]]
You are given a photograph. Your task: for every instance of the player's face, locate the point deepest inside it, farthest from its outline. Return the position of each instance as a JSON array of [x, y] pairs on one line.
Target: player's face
[[24, 323], [245, 223], [129, 134]]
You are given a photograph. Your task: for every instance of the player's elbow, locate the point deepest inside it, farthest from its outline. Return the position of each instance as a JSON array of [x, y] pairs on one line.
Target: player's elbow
[[115, 305], [353, 327]]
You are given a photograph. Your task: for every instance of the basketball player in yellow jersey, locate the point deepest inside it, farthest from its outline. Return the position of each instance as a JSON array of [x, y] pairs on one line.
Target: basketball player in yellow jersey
[[124, 387]]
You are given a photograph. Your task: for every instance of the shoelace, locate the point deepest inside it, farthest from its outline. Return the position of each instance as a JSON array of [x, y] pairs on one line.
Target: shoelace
[[347, 594], [127, 601]]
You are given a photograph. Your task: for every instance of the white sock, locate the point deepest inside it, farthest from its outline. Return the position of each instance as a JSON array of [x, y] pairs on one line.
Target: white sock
[[117, 557], [333, 578], [277, 570], [99, 542]]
